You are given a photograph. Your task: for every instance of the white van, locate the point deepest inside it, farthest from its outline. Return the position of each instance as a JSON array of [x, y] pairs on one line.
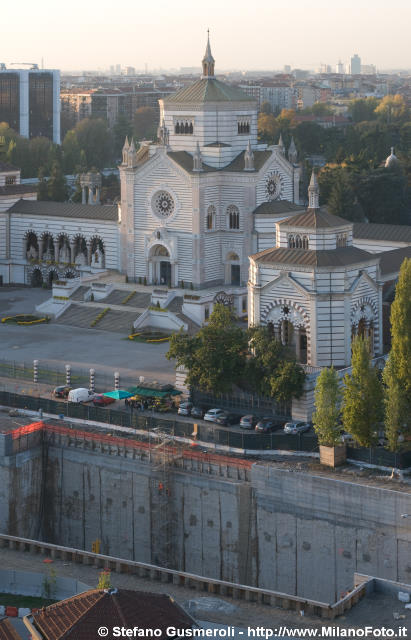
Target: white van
[[80, 395]]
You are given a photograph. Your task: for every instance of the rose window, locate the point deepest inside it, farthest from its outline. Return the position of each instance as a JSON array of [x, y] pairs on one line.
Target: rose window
[[273, 187], [163, 204]]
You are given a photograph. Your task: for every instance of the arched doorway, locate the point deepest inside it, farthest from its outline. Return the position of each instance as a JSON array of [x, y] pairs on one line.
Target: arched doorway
[[31, 246], [36, 278], [162, 270], [233, 269], [97, 253], [52, 275]]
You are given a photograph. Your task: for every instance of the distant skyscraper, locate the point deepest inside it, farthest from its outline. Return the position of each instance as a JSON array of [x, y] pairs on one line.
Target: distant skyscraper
[[118, 69], [355, 65], [287, 68], [30, 101], [339, 67]]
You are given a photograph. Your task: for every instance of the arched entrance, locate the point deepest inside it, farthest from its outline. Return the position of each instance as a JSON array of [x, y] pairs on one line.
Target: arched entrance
[[97, 253], [162, 269], [233, 269], [31, 246], [36, 278], [289, 324], [52, 275]]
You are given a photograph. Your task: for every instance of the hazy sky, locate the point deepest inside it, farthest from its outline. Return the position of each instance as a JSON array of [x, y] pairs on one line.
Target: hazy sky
[[244, 35]]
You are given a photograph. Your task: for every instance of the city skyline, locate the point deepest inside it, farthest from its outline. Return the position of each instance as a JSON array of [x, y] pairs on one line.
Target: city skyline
[[174, 37]]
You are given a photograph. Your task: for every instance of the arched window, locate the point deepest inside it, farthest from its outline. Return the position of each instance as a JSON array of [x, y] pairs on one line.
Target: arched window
[[305, 242], [291, 242], [243, 126], [210, 219], [190, 128], [233, 217], [298, 242], [184, 127], [177, 127], [341, 240]]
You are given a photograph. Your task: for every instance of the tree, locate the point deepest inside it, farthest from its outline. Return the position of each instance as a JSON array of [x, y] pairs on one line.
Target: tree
[[342, 200], [94, 138], [362, 394], [310, 137], [397, 373], [327, 400], [104, 579], [145, 123], [268, 128], [42, 189], [71, 152], [122, 128], [363, 109], [383, 196], [392, 108], [215, 356], [266, 107], [57, 186], [273, 371]]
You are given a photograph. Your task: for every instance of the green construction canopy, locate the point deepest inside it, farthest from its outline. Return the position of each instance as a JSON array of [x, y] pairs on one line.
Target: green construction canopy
[[153, 393], [118, 394]]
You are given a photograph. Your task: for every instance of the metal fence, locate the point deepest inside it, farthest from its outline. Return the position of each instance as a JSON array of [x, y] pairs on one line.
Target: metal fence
[[243, 402], [208, 433]]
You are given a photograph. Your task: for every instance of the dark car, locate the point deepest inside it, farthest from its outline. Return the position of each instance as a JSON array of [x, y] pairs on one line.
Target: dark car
[[266, 425], [227, 418], [100, 400], [61, 392], [248, 422], [197, 412]]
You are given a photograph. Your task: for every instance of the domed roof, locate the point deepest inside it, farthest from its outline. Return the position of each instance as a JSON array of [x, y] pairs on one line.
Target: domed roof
[[392, 160]]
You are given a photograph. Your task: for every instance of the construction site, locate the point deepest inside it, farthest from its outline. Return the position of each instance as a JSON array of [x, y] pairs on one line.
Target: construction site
[[147, 497]]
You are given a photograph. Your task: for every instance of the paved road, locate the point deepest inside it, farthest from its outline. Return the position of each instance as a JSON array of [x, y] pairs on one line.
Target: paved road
[[57, 345]]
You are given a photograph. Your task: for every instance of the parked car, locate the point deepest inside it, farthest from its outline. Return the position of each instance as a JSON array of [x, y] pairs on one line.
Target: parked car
[[80, 395], [227, 418], [212, 414], [185, 408], [101, 400], [61, 392], [248, 422], [266, 425], [296, 427], [197, 412]]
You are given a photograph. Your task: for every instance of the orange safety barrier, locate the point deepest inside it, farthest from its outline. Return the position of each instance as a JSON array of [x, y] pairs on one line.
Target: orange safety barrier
[[12, 612], [189, 453]]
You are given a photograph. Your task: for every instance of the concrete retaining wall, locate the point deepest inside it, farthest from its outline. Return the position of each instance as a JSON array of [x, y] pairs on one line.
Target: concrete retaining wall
[[272, 529], [27, 583]]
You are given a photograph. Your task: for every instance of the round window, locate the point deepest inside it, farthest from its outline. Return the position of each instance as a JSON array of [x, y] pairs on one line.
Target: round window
[[163, 204]]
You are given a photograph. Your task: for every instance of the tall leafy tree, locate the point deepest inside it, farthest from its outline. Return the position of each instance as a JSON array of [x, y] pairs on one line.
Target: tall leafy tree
[[363, 109], [327, 400], [215, 356], [273, 371], [57, 186], [42, 189], [342, 200], [397, 373], [362, 395], [95, 139], [145, 123]]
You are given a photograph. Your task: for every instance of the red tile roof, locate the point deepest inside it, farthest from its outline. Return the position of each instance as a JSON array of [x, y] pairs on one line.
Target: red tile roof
[[7, 631], [79, 617]]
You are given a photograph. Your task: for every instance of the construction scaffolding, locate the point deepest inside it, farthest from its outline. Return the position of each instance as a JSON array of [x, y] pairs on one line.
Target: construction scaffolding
[[164, 456]]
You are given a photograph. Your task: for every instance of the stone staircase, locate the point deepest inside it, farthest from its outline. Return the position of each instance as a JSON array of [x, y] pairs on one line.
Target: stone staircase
[[138, 300], [80, 293], [192, 327], [82, 315], [176, 304]]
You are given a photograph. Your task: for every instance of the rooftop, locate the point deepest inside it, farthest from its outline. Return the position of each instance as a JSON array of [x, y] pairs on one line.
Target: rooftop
[[5, 167], [274, 207], [206, 90], [185, 160], [315, 219], [393, 232], [391, 261], [65, 210], [77, 618], [12, 189], [340, 257]]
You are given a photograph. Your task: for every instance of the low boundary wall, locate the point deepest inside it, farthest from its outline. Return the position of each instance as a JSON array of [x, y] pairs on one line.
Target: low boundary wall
[[190, 580]]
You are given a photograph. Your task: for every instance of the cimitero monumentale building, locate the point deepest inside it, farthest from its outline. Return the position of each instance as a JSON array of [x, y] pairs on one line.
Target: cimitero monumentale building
[[318, 287], [187, 201]]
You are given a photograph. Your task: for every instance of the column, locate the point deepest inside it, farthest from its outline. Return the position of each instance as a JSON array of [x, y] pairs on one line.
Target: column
[[297, 332], [72, 250], [56, 250], [98, 195], [89, 255], [90, 196], [83, 195], [41, 248]]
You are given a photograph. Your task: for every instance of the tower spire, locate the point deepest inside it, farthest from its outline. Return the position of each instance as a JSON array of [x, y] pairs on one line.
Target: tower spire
[[208, 60], [313, 192]]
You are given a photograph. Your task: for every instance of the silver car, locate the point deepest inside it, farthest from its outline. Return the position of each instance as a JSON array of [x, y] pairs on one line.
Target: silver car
[[296, 427], [213, 414]]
